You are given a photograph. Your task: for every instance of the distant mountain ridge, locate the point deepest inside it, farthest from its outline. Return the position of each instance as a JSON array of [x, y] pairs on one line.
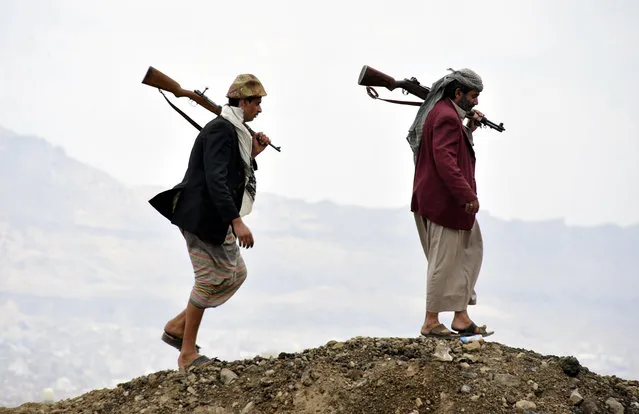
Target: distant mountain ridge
[[87, 267], [45, 184]]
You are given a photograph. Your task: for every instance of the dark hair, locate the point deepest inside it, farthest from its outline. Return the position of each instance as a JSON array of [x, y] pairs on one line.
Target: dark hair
[[449, 92], [236, 101]]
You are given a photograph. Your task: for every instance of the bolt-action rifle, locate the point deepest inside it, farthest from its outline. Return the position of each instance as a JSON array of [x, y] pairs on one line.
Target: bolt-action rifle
[[159, 80], [370, 77]]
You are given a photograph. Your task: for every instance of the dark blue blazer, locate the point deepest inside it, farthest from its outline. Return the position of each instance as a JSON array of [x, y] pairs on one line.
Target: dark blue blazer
[[210, 194]]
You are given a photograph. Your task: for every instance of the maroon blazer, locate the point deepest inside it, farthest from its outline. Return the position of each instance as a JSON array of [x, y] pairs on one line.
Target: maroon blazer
[[445, 170]]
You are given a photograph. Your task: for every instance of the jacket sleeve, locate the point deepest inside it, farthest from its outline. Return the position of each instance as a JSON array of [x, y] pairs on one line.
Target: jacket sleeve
[[218, 146], [445, 148]]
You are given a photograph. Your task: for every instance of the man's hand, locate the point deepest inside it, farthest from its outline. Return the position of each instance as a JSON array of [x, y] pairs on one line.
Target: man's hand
[[472, 207], [472, 123], [260, 141], [243, 233]]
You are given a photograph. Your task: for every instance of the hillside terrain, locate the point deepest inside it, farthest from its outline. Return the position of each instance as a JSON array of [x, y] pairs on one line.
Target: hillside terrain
[[369, 375]]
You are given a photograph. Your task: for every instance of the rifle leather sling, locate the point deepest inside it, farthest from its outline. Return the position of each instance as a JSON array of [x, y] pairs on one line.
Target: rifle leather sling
[[373, 94], [179, 111], [482, 121], [192, 122]]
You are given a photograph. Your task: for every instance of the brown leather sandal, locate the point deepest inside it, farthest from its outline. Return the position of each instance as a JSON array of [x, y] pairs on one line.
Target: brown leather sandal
[[440, 331], [473, 329]]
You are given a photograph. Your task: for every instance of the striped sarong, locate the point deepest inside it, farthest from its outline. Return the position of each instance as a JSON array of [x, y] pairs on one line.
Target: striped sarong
[[219, 270]]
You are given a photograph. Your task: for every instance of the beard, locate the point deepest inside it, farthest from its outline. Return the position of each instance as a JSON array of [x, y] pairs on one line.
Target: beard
[[465, 104]]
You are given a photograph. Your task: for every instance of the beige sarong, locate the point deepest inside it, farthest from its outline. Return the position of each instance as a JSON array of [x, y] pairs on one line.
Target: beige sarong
[[454, 260]]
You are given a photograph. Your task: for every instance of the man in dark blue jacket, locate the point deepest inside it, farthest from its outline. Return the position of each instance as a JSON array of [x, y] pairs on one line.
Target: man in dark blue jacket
[[218, 189]]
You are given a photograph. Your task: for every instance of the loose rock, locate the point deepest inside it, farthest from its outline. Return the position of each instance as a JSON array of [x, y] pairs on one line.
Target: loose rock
[[227, 376], [615, 406], [248, 408], [472, 346], [523, 405], [508, 380], [589, 407], [570, 366], [575, 397], [442, 352]]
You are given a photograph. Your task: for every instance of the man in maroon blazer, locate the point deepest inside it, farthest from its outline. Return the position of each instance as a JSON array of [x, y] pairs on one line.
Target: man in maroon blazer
[[445, 202]]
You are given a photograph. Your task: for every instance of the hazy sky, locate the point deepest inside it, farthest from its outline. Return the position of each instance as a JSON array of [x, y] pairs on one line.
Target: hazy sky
[[559, 74]]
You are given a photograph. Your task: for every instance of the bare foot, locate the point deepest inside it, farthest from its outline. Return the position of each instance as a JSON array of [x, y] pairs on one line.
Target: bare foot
[[428, 325], [461, 321], [185, 359], [461, 326], [465, 326], [439, 330]]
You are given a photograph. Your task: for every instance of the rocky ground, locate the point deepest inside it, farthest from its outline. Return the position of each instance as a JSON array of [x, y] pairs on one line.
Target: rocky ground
[[369, 375]]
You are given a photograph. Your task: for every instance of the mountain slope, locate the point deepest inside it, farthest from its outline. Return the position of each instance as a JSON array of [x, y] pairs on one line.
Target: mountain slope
[[369, 375], [89, 274]]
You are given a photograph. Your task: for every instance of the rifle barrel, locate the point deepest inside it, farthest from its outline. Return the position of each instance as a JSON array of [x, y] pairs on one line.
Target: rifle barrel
[[492, 125]]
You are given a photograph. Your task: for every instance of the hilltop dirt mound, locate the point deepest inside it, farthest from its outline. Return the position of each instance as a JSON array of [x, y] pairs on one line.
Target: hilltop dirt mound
[[369, 375]]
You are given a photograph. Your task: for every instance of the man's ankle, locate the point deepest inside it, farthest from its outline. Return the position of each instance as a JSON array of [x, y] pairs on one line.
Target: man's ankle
[[431, 323], [462, 322], [185, 352]]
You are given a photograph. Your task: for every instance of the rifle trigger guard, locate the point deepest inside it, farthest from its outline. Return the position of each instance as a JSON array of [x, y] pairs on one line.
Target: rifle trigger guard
[[372, 92]]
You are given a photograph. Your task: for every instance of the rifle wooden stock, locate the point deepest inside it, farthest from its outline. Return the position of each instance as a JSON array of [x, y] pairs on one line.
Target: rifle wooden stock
[[159, 80], [372, 77]]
